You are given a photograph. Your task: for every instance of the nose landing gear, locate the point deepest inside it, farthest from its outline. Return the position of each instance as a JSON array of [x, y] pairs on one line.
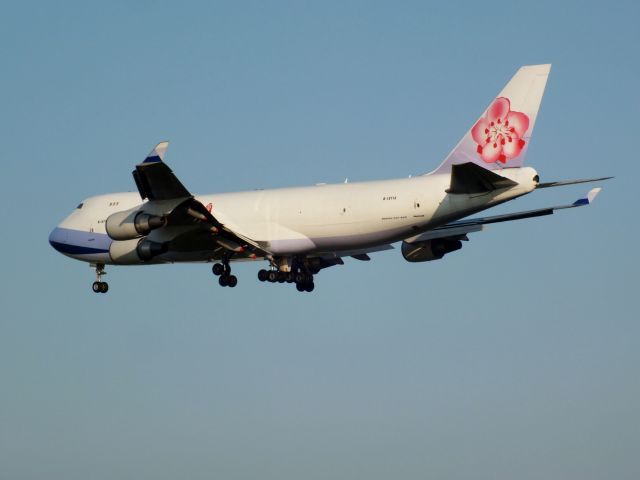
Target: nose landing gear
[[99, 286]]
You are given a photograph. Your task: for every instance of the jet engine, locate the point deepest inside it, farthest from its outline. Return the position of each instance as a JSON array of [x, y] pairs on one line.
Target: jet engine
[[130, 224], [135, 251], [430, 249]]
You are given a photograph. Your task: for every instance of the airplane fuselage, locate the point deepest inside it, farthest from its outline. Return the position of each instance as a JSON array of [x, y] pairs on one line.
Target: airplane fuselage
[[302, 220]]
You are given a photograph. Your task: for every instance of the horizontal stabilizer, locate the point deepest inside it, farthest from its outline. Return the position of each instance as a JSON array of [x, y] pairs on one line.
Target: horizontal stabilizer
[[571, 182], [471, 178]]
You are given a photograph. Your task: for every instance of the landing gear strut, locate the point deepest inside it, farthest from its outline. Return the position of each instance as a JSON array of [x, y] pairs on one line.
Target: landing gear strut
[[223, 271], [99, 286]]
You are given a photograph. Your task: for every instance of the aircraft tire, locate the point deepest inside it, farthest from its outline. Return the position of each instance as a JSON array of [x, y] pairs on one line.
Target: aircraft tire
[[217, 269], [223, 280], [232, 281]]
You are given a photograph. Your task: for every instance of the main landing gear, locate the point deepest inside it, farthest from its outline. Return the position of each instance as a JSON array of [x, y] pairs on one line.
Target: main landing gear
[[223, 271], [283, 270], [303, 281], [99, 286]]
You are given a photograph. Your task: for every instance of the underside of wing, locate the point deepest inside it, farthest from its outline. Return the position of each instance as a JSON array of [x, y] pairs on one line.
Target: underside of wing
[[182, 226]]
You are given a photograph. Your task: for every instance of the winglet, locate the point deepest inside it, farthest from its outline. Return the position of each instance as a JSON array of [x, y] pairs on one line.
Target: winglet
[[588, 198], [157, 154], [154, 178]]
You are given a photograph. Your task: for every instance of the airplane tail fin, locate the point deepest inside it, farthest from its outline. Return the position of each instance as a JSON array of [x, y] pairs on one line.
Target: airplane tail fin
[[500, 137]]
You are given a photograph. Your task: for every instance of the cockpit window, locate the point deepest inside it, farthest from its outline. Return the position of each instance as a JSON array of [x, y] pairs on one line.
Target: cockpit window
[[80, 206]]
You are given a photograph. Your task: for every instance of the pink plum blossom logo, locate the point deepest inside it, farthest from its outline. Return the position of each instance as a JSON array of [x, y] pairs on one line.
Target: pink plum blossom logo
[[499, 133]]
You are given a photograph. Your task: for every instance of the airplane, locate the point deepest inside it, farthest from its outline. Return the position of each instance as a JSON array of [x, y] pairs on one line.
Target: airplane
[[300, 231]]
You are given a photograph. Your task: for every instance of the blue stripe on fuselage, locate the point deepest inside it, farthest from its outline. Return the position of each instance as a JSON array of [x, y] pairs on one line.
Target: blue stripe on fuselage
[[78, 242]]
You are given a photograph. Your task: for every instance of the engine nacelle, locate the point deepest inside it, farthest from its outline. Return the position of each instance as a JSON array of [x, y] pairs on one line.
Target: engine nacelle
[[135, 251], [429, 250], [130, 224]]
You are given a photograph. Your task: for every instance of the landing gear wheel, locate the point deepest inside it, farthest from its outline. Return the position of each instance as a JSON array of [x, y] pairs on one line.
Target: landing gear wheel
[[300, 287], [263, 275], [289, 277], [232, 281], [281, 277], [217, 269], [223, 280], [272, 276], [298, 278], [100, 287]]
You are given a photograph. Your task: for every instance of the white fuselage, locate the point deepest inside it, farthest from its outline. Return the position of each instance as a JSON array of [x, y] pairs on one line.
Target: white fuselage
[[305, 220]]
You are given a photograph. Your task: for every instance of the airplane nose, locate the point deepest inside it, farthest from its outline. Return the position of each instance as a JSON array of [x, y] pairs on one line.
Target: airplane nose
[[57, 238]]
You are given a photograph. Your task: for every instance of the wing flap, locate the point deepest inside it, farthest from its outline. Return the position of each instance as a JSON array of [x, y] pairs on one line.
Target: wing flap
[[458, 231], [198, 229]]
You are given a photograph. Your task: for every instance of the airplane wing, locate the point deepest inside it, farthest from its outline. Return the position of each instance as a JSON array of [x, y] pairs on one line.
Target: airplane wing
[[155, 180], [460, 228], [193, 226]]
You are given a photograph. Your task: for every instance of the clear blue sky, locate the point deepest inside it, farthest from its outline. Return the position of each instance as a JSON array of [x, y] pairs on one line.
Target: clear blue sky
[[516, 357]]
